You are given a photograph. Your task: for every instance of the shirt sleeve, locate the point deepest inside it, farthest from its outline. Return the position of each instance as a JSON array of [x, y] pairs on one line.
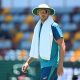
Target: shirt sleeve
[[57, 32]]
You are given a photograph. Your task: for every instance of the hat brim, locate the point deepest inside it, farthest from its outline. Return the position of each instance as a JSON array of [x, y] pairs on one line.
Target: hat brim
[[52, 11]]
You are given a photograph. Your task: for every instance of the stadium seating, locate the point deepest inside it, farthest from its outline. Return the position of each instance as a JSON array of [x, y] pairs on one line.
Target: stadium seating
[[17, 27]]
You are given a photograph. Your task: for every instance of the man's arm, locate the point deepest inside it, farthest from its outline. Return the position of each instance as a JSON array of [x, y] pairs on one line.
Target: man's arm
[[61, 43], [58, 36], [30, 59]]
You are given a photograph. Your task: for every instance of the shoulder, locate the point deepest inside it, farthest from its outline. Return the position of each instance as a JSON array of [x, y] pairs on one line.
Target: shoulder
[[54, 24]]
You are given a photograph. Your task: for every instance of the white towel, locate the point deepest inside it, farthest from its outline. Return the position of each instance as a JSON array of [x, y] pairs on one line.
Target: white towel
[[46, 38]]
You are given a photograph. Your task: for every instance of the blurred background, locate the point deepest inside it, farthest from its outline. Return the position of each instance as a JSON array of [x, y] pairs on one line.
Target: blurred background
[[16, 30]]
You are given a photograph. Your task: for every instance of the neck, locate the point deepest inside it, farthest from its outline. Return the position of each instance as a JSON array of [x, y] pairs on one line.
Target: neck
[[44, 20]]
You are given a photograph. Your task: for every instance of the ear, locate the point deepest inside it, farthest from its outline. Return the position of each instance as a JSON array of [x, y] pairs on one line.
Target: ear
[[49, 12], [38, 12]]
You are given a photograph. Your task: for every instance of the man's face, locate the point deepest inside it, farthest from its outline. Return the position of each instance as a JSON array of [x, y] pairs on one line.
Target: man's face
[[43, 13]]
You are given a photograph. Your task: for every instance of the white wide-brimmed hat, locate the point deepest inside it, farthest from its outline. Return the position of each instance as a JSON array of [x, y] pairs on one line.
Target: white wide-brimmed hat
[[43, 6]]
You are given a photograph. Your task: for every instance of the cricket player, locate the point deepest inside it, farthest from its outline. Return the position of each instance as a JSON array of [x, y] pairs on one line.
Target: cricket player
[[47, 45]]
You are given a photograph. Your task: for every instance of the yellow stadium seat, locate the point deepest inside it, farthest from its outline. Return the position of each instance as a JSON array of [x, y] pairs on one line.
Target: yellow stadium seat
[[77, 36], [29, 19], [8, 18], [66, 35], [18, 37], [76, 56], [22, 55], [6, 11]]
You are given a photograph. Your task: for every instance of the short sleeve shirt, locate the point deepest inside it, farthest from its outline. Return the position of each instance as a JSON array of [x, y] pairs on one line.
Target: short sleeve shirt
[[57, 33]]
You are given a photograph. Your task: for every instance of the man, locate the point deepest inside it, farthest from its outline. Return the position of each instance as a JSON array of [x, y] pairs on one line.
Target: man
[[47, 45]]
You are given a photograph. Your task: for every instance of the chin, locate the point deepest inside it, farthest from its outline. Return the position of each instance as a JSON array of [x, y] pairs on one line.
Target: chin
[[43, 19]]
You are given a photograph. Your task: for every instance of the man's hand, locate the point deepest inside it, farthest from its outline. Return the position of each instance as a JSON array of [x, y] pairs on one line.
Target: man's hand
[[60, 70], [25, 67]]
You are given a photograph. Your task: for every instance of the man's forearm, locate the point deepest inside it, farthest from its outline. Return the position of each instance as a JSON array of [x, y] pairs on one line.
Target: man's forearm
[[62, 53], [61, 43], [30, 59]]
